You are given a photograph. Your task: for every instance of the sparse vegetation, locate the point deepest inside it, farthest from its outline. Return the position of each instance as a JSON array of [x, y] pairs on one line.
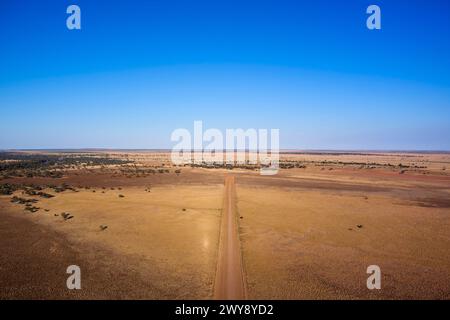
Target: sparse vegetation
[[66, 215], [32, 209], [8, 189], [18, 164], [20, 200]]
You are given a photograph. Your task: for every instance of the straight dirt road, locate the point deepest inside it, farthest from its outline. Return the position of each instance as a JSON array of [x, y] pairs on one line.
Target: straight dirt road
[[230, 280]]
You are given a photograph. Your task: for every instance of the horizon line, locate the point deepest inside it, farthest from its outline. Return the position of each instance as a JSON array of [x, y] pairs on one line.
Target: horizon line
[[284, 150]]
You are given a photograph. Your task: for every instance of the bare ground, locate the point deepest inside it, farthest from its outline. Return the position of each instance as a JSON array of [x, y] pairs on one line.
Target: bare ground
[[306, 233]]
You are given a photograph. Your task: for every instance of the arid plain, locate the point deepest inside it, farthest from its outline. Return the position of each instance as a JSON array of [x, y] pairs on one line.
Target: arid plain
[[140, 227]]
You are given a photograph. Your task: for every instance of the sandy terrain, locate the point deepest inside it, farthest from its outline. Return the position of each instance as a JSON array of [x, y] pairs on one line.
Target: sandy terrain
[[146, 229], [169, 236], [302, 241]]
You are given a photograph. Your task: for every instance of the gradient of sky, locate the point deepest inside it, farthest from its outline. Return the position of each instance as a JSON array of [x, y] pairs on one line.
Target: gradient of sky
[[137, 70]]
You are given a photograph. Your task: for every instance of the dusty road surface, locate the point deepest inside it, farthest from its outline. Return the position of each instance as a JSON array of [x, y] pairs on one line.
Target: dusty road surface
[[230, 281]]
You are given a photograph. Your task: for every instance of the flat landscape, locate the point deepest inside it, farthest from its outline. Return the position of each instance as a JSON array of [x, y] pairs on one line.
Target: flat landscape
[[140, 227]]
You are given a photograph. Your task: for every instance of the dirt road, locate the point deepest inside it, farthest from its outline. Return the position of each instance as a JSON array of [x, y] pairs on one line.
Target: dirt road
[[230, 280]]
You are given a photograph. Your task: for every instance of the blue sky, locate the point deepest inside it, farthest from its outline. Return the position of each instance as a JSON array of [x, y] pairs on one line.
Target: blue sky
[[137, 70]]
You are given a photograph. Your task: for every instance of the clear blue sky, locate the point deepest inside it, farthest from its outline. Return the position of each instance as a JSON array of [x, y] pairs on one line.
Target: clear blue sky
[[140, 69]]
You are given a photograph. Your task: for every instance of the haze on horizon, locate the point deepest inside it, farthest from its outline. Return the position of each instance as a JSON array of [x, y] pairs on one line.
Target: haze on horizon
[[136, 72]]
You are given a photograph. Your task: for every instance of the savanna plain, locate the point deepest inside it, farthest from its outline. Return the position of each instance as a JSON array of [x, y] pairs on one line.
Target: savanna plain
[[140, 227]]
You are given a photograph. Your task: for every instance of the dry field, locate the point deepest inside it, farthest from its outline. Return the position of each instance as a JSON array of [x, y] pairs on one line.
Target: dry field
[[140, 228]]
